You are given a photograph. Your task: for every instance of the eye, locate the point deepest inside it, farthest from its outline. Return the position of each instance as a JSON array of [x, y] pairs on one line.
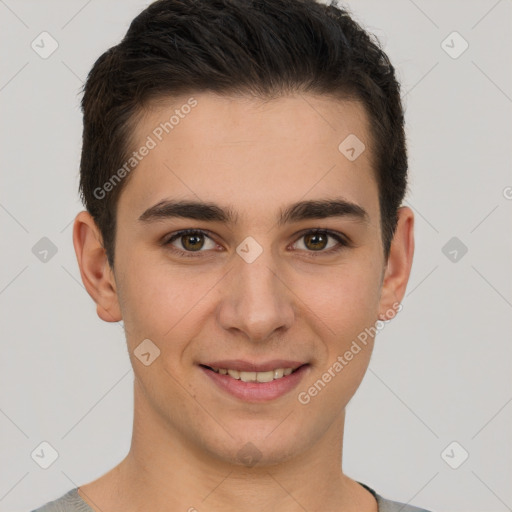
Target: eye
[[316, 241], [191, 240]]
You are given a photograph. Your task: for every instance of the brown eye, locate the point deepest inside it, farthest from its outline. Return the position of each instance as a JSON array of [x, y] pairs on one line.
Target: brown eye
[[188, 242], [192, 242], [316, 241]]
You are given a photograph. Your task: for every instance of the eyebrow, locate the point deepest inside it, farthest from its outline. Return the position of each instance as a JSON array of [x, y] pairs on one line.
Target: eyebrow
[[211, 212]]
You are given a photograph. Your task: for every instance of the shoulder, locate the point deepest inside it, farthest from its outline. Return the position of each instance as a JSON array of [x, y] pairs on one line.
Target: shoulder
[[395, 506], [386, 505], [69, 502]]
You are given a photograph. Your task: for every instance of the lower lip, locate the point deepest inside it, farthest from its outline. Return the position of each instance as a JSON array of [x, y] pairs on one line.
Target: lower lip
[[257, 391]]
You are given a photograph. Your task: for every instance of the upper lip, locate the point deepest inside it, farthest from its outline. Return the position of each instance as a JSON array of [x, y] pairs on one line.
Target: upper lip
[[248, 366]]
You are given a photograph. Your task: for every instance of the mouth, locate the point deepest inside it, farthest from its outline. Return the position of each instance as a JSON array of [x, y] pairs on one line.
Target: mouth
[[242, 380], [244, 376]]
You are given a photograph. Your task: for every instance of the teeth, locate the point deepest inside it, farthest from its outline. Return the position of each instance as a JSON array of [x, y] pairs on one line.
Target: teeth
[[278, 373], [265, 376], [234, 373], [255, 376], [248, 376]]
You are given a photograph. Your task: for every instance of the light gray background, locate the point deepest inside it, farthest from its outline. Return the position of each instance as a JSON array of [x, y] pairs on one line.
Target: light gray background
[[440, 371]]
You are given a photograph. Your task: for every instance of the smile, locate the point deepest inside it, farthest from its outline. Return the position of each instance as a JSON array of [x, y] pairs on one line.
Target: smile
[[268, 376], [256, 386]]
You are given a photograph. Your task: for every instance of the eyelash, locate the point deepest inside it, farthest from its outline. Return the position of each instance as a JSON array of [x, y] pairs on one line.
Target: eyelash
[[343, 242]]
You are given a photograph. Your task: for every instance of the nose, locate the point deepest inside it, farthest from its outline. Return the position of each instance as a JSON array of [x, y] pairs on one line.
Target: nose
[[256, 299]]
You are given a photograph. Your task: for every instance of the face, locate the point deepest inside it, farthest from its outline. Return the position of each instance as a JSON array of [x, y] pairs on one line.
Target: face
[[282, 267]]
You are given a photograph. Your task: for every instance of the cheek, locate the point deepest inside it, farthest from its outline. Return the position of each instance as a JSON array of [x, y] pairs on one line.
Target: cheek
[[348, 306], [159, 300], [346, 299], [360, 301], [150, 299]]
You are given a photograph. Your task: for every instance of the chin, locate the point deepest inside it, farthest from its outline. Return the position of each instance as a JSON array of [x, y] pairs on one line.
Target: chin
[[261, 449]]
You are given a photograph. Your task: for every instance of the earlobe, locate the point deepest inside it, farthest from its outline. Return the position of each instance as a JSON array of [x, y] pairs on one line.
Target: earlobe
[[398, 266], [95, 270]]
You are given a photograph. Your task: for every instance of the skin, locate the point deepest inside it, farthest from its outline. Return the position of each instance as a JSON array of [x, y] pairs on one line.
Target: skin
[[255, 157]]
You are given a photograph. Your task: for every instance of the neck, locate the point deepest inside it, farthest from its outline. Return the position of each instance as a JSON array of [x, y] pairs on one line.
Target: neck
[[163, 471]]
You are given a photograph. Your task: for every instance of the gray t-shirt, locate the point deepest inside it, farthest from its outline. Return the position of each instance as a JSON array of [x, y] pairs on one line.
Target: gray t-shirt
[[72, 502]]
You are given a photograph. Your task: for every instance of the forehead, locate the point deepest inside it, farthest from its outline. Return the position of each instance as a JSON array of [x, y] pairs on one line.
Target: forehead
[[214, 119], [246, 150]]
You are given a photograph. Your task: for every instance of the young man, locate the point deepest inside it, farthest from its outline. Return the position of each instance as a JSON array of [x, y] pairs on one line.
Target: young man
[[243, 168]]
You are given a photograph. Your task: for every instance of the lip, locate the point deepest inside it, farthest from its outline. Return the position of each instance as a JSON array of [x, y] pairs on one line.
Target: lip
[[257, 391], [248, 366]]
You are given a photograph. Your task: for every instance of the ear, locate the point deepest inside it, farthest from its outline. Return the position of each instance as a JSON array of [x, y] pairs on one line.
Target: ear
[[97, 276], [398, 267]]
